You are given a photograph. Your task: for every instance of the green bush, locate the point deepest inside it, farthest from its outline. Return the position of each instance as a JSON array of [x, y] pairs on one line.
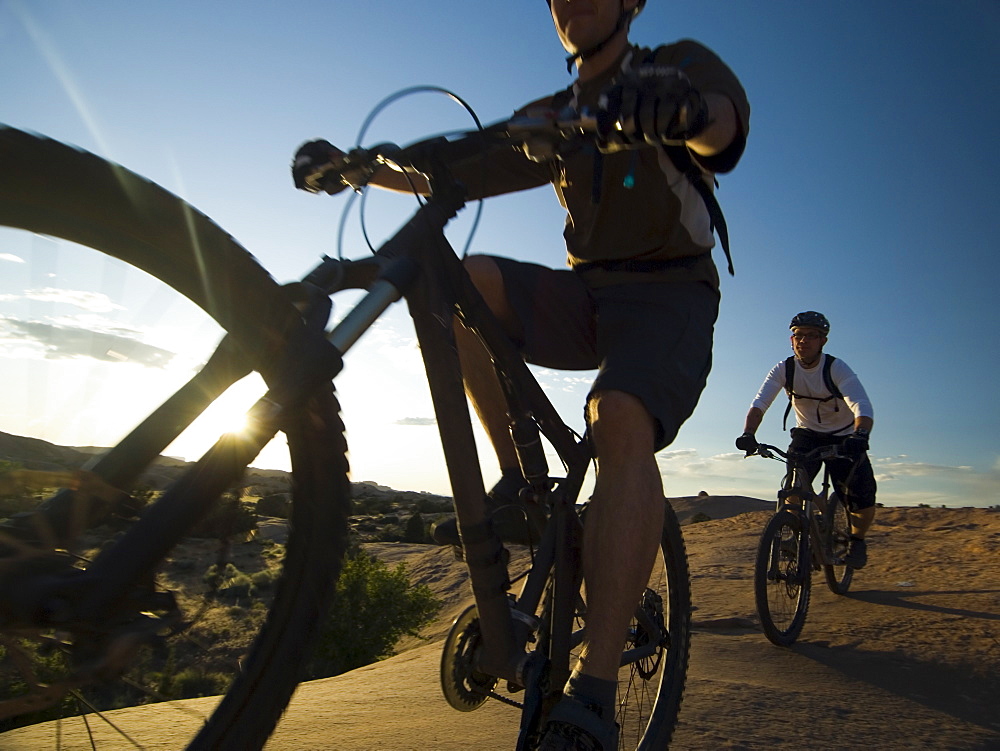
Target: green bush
[[276, 504], [416, 530], [373, 607], [14, 500], [434, 505], [371, 506], [232, 584], [228, 517], [192, 682]]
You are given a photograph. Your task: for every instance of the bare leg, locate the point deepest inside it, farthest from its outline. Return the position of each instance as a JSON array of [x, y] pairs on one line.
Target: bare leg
[[622, 530], [480, 378], [861, 521]]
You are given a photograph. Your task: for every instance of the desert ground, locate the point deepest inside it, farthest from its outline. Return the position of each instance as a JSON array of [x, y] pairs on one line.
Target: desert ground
[[909, 659]]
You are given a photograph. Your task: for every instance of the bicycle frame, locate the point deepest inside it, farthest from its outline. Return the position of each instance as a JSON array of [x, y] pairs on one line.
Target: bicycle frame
[[797, 496], [435, 293]]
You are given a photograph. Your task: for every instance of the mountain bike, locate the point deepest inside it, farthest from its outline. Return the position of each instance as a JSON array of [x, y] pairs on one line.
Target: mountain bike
[[808, 531], [100, 608]]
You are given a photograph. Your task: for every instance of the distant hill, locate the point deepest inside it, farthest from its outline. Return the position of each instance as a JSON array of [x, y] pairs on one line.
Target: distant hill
[[34, 453]]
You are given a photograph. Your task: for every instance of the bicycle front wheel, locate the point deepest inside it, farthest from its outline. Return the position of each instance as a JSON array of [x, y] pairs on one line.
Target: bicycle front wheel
[[56, 191], [838, 575], [654, 664], [782, 582]]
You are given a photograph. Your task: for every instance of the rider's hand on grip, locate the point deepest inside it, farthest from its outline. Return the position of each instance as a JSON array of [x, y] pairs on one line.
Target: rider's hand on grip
[[856, 443], [308, 167], [747, 442], [653, 104]]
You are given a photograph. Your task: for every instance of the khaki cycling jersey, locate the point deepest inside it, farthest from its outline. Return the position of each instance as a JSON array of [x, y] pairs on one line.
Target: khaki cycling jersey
[[661, 217]]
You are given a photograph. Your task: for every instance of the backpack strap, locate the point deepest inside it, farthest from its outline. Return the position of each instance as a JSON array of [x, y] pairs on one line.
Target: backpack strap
[[681, 158], [789, 380], [827, 381]]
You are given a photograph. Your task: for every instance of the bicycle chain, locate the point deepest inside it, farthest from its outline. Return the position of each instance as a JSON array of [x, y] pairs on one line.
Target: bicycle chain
[[504, 699]]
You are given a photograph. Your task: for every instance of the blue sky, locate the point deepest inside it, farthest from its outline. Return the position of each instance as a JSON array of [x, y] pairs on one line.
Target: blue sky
[[867, 192]]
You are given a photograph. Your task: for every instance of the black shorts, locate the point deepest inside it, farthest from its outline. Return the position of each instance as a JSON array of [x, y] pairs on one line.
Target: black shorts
[[862, 486], [649, 339]]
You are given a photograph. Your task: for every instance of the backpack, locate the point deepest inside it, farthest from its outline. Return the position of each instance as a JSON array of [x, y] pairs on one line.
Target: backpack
[[827, 381]]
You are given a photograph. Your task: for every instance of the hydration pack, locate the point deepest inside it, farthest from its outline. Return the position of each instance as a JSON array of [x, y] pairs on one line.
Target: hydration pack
[[827, 380]]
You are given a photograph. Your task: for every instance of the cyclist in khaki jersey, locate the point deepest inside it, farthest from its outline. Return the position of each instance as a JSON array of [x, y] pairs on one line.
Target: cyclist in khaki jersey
[[638, 303], [824, 418]]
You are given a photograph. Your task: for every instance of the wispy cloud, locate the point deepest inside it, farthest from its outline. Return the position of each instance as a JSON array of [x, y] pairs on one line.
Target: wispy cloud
[[901, 481], [422, 421], [894, 468], [55, 341], [92, 302]]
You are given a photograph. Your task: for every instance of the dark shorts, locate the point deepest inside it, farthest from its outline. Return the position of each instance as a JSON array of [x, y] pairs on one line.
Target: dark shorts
[[862, 487], [649, 339]]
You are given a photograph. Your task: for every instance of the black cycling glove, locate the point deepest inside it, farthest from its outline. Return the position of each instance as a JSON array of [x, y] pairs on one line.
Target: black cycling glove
[[747, 442], [856, 443], [307, 172], [655, 104]]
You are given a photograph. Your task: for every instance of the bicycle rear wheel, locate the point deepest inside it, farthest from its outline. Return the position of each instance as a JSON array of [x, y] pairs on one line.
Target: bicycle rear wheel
[[58, 191], [838, 576], [782, 583], [650, 689]]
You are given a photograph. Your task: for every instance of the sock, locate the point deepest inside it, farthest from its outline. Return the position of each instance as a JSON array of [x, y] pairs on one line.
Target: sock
[[594, 691]]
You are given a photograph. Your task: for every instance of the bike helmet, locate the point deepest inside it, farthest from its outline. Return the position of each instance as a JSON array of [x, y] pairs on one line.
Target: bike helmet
[[812, 319]]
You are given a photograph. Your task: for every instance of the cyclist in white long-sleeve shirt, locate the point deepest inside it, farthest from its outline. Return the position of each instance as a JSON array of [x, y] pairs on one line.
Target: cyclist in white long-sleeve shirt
[[831, 406]]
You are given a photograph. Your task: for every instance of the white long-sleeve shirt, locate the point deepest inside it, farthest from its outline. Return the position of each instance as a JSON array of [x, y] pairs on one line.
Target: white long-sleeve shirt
[[835, 416]]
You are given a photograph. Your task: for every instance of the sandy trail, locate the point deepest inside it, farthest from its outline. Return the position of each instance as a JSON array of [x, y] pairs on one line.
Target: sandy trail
[[910, 659]]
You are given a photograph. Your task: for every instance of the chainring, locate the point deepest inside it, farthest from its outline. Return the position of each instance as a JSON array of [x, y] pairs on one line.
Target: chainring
[[464, 687]]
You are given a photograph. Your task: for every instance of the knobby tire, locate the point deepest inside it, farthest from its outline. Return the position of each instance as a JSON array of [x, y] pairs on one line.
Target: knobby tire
[[782, 584], [56, 190], [838, 577]]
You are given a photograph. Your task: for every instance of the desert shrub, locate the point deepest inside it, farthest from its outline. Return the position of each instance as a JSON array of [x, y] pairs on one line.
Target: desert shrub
[[264, 579], [388, 533], [228, 518], [372, 506], [416, 529], [434, 505], [13, 500], [701, 516], [192, 682], [373, 607], [229, 582], [276, 504]]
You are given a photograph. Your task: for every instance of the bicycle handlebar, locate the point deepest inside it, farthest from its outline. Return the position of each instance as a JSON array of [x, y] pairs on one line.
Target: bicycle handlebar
[[835, 451], [541, 136]]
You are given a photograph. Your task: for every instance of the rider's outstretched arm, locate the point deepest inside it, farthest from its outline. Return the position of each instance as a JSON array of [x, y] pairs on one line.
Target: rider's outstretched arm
[[753, 420]]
